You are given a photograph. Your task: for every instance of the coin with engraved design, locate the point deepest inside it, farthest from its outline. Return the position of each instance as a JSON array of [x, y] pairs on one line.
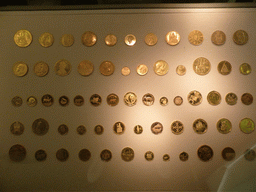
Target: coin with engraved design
[[23, 38]]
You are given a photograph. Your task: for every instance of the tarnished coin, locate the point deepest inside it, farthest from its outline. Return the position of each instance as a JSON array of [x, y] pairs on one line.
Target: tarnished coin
[[200, 126], [17, 153], [214, 98], [245, 69], [47, 100], [112, 99], [119, 128], [240, 37], [62, 155], [156, 128], [196, 37], [228, 154], [63, 129], [81, 130], [183, 156], [163, 101], [84, 155], [138, 129], [161, 67], [62, 67], [106, 155], [130, 99], [149, 155], [67, 40], [17, 101], [218, 37], [95, 100], [172, 38], [166, 157], [23, 38], [148, 99], [41, 69], [195, 98], [247, 99], [224, 126], [32, 101], [249, 155], [178, 100], [98, 129], [17, 128], [130, 40], [127, 154], [231, 98], [246, 125], [142, 69], [125, 71], [63, 100], [201, 66], [85, 68], [110, 40], [205, 153], [20, 69], [78, 100], [46, 39], [107, 68], [224, 67], [89, 38], [181, 70], [40, 126], [151, 39], [177, 127], [40, 155]]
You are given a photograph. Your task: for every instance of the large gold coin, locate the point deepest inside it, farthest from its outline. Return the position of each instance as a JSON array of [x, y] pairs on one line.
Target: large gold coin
[[23, 38], [247, 99], [172, 38], [224, 67], [201, 66], [149, 155], [125, 71], [228, 154], [183, 156], [156, 128], [107, 68], [142, 69], [40, 126], [41, 69], [130, 99], [130, 40], [205, 153], [89, 38], [151, 39], [245, 69], [181, 70], [84, 155], [249, 155], [112, 99], [246, 125], [110, 40], [17, 153], [127, 154], [40, 155], [231, 98], [138, 129], [148, 99], [17, 101], [214, 98], [95, 100], [161, 67], [62, 155], [46, 39], [240, 37], [106, 155], [224, 126], [196, 37], [98, 129], [81, 130], [119, 128], [200, 126], [67, 40], [47, 100], [32, 101], [62, 67], [20, 69], [78, 100], [85, 68], [63, 129], [178, 100], [177, 127], [163, 101], [17, 128], [195, 98], [218, 37], [63, 100]]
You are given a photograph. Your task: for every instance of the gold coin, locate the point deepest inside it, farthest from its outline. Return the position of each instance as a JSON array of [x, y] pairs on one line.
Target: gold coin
[[17, 153], [47, 100], [46, 39], [200, 126], [32, 101], [62, 67], [245, 69], [156, 128], [130, 99], [23, 38], [205, 153], [178, 100], [81, 130], [195, 98], [231, 98], [62, 155], [224, 126], [95, 100], [41, 69], [163, 101], [224, 67], [161, 67], [17, 101], [240, 37], [228, 154], [142, 69], [84, 155], [148, 99], [214, 98], [196, 37], [202, 66], [40, 155], [246, 125], [63, 129], [40, 126], [172, 38], [110, 40], [17, 128], [106, 155], [218, 37], [151, 39], [177, 127], [138, 129], [183, 156], [127, 154], [166, 157], [98, 129], [149, 155], [112, 99], [249, 155], [119, 128], [181, 70], [63, 100], [126, 71], [78, 100], [89, 38], [20, 69], [130, 40], [247, 99], [107, 68], [67, 40], [85, 68]]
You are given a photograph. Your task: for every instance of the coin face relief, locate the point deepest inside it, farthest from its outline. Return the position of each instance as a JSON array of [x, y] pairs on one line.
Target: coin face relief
[[200, 126], [62, 155], [127, 154], [151, 39], [161, 67], [172, 38], [177, 127], [81, 130], [142, 69], [148, 99], [195, 98], [245, 69], [183, 156], [107, 68], [130, 40], [247, 125], [41, 69], [163, 101], [231, 98], [228, 154], [214, 98], [178, 100], [63, 101], [47, 100], [23, 38], [249, 154], [247, 99], [40, 126], [32, 101], [85, 68], [46, 39], [84, 155], [62, 67], [195, 37], [138, 129], [89, 39], [95, 100], [40, 155], [98, 129], [17, 153], [224, 126], [106, 155], [17, 101], [17, 128], [201, 66], [224, 67], [218, 37], [78, 100], [130, 99], [126, 71], [110, 40], [205, 153], [67, 40], [119, 128], [149, 155], [112, 99], [156, 128], [181, 70], [63, 129], [240, 37], [20, 69]]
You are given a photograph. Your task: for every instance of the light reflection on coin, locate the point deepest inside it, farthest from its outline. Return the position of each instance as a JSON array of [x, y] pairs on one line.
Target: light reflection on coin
[[177, 127], [142, 69], [200, 126], [201, 66], [63, 101], [181, 70], [149, 155], [183, 156], [32, 101], [112, 99], [224, 67], [17, 128], [23, 38], [17, 101], [249, 155], [195, 98], [224, 126], [245, 69], [106, 155], [247, 99], [138, 129], [172, 38], [78, 100], [40, 126], [240, 37], [166, 157], [84, 155], [40, 155], [247, 125], [47, 100], [107, 68], [85, 68], [67, 40], [46, 39], [62, 155], [148, 99], [205, 153], [156, 128], [81, 130], [178, 100], [218, 37], [119, 128], [130, 99], [110, 40], [130, 40], [20, 69], [127, 154], [214, 98], [163, 101], [17, 153], [231, 98], [95, 100], [161, 67], [228, 154], [62, 67], [63, 129], [126, 71], [196, 37], [89, 38], [151, 39], [98, 129], [41, 69]]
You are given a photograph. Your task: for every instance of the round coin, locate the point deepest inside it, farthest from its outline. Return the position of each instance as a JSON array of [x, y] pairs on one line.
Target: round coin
[[178, 100], [161, 67], [17, 128], [246, 125], [62, 155], [181, 70], [148, 99], [46, 39], [85, 68], [245, 69], [63, 101], [183, 156], [81, 130], [20, 69], [32, 101], [166, 157], [127, 154], [106, 155], [112, 99], [200, 126], [138, 129], [84, 155], [149, 155], [240, 37], [17, 153], [224, 67], [172, 38], [95, 100], [40, 155], [78, 100], [89, 38], [177, 127], [67, 40], [40, 126], [247, 99], [249, 155], [62, 67], [214, 98], [142, 69], [41, 69], [110, 40], [16, 101], [163, 101], [23, 38], [119, 128], [130, 40], [107, 68], [201, 66], [196, 37], [195, 98], [47, 100], [156, 128], [98, 129], [151, 39], [125, 71], [228, 154], [224, 126], [130, 99], [231, 98], [218, 37], [63, 129], [205, 153]]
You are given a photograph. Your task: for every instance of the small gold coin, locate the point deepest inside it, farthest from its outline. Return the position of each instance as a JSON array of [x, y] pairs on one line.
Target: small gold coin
[[63, 101], [214, 98], [138, 129], [181, 70], [112, 99], [126, 71], [177, 127], [81, 130], [17, 153], [98, 129], [247, 99], [183, 156], [196, 37], [40, 126], [106, 155], [40, 155], [67, 40], [130, 40], [119, 128], [85, 68], [195, 98], [224, 67], [231, 98], [63, 129], [246, 125], [89, 38], [41, 69], [228, 154], [163, 101], [32, 101], [127, 154], [151, 39], [178, 100], [156, 128], [240, 37], [245, 69], [224, 126], [17, 101], [149, 155], [161, 67], [148, 99], [20, 69], [200, 126], [130, 99], [201, 66], [218, 37], [17, 128], [249, 155], [62, 155], [95, 100], [47, 100], [166, 157], [142, 69], [23, 38], [110, 40], [78, 100], [205, 153], [107, 68], [46, 39], [84, 155], [62, 67], [172, 38]]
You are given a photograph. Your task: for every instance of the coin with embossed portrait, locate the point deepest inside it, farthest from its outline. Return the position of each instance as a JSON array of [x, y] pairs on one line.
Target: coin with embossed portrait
[[31, 101], [245, 69], [110, 40], [183, 156], [41, 69], [78, 100], [161, 67], [95, 100], [112, 99], [148, 99], [214, 98], [228, 154], [107, 68], [40, 155], [166, 157], [172, 38], [17, 153], [106, 155], [17, 101], [178, 100], [63, 129], [81, 130], [127, 154], [224, 126], [98, 129], [231, 98], [247, 125], [67, 40], [126, 71], [247, 98], [224, 67], [138, 129], [156, 128], [47, 100], [119, 128], [205, 153], [23, 38], [20, 69], [177, 127], [40, 126], [63, 101], [17, 128], [249, 154], [130, 99], [62, 67], [240, 37], [196, 37], [142, 69], [151, 39], [130, 40], [163, 101], [181, 70], [218, 37], [85, 68], [84, 155], [46, 39], [89, 39], [202, 66], [195, 98], [149, 155], [62, 155], [200, 126]]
